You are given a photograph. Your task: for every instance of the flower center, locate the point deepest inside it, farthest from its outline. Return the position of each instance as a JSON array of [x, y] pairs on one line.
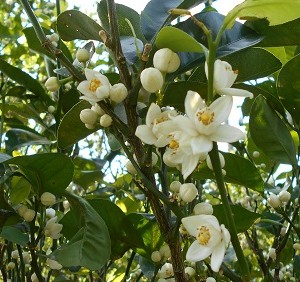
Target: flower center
[[174, 144], [206, 116], [203, 235], [160, 120], [94, 84]]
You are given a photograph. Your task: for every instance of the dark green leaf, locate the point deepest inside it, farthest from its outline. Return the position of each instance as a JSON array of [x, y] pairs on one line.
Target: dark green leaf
[[17, 91], [148, 230], [71, 128], [46, 172], [289, 88], [73, 24], [297, 266], [14, 235], [86, 178], [4, 157], [25, 80], [121, 230], [270, 133], [243, 218], [19, 191], [90, 247], [69, 99], [238, 171]]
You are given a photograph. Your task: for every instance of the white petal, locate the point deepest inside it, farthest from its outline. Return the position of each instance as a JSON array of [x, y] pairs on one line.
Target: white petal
[[197, 252], [102, 92], [235, 92], [153, 112], [83, 87], [192, 103], [103, 79], [220, 75], [165, 127], [217, 256], [226, 234], [145, 134], [90, 74], [189, 165], [222, 108], [201, 144], [227, 133], [186, 125]]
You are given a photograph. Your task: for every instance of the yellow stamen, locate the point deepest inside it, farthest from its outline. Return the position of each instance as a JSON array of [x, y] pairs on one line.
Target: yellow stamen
[[174, 144], [203, 235], [206, 117], [161, 119], [94, 84]]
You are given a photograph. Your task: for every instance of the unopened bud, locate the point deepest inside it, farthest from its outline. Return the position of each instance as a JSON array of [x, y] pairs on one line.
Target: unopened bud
[[22, 209], [256, 154], [90, 126], [166, 60], [274, 201], [154, 159], [296, 246], [175, 186], [165, 251], [29, 215], [106, 120], [52, 84], [11, 265], [48, 199], [118, 92], [209, 164], [50, 212], [130, 168], [272, 253], [15, 254], [54, 37], [284, 196], [188, 192], [82, 55], [152, 80], [53, 264], [210, 279], [88, 116], [51, 109], [203, 208], [190, 271], [66, 204], [156, 256]]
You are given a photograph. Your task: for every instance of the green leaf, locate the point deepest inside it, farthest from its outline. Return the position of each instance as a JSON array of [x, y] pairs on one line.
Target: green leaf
[[19, 191], [276, 12], [17, 138], [178, 41], [25, 80], [121, 230], [148, 230], [71, 129], [242, 217], [270, 133], [73, 24], [50, 172], [238, 171], [14, 235], [123, 13], [289, 88], [297, 266], [90, 247]]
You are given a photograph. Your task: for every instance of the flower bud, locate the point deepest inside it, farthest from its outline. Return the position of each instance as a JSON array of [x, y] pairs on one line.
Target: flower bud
[[53, 264], [90, 126], [165, 251], [82, 55], [296, 246], [274, 201], [68, 86], [50, 212], [34, 278], [190, 271], [51, 109], [15, 254], [272, 253], [175, 186], [22, 209], [48, 199], [11, 265], [118, 92], [130, 168], [152, 80], [26, 257], [203, 208], [188, 192], [210, 279], [156, 256], [283, 231], [52, 84], [284, 196], [222, 162], [88, 116], [54, 37], [29, 215], [106, 120], [166, 60], [66, 204], [97, 109], [256, 154]]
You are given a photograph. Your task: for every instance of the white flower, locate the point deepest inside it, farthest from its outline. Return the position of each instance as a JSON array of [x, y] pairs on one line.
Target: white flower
[[204, 125], [284, 196], [48, 199], [166, 271], [211, 239], [157, 128], [152, 80], [52, 84], [166, 60], [53, 264], [95, 88], [118, 92], [224, 77], [274, 201], [52, 228]]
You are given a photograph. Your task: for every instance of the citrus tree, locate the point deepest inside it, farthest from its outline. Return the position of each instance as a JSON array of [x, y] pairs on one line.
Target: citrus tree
[[119, 161]]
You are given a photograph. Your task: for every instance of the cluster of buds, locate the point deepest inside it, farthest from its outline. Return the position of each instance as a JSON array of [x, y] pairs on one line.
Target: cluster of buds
[[164, 61], [163, 254], [27, 213], [25, 256], [54, 38], [276, 201], [185, 193]]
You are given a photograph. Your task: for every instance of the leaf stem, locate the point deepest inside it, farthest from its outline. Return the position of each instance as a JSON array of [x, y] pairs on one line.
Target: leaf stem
[[214, 155]]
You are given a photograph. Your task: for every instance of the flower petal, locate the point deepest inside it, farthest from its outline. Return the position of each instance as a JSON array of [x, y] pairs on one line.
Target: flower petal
[[222, 108], [188, 165], [197, 252], [217, 256], [153, 112], [186, 125], [235, 92], [201, 144], [89, 74], [192, 103], [227, 133], [145, 134]]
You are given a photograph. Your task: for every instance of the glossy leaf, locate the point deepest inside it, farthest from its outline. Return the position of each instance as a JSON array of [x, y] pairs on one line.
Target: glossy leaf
[[276, 12], [73, 24], [288, 87], [238, 171], [19, 191], [178, 41], [25, 80], [148, 230], [50, 172], [14, 235], [243, 218], [17, 138], [270, 133], [129, 46], [71, 129], [90, 246], [121, 230], [123, 13]]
